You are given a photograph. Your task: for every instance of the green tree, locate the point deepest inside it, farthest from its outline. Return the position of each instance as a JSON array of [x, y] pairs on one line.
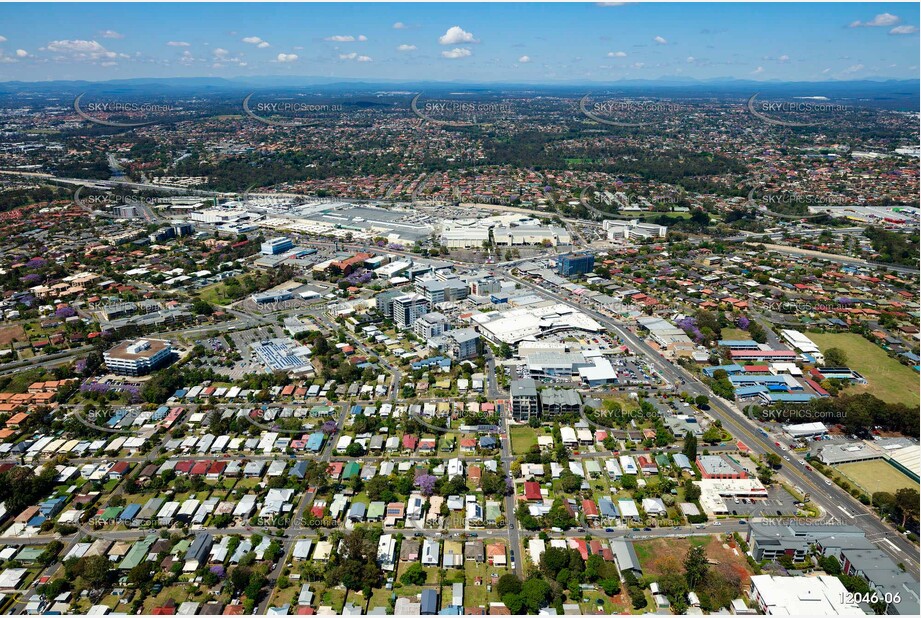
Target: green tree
[[535, 593], [835, 357], [414, 575], [695, 566], [690, 446], [508, 584]]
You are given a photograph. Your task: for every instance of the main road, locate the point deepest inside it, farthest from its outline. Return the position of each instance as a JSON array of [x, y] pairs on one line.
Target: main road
[[831, 498]]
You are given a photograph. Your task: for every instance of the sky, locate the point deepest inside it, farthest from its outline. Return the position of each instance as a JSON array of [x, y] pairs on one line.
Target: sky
[[512, 43]]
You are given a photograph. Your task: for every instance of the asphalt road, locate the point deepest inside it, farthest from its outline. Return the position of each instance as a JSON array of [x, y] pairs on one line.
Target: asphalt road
[[830, 498]]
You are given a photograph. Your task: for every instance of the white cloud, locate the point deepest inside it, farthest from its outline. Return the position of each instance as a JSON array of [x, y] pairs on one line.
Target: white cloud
[[457, 52], [178, 44], [758, 71], [400, 26], [903, 30], [286, 58], [362, 38], [21, 53], [854, 68], [691, 59], [342, 38], [406, 48], [638, 65], [356, 57], [784, 58], [524, 59], [254, 40], [660, 40], [617, 54], [220, 52], [881, 20], [2, 39], [76, 46], [455, 35], [79, 49], [111, 34]]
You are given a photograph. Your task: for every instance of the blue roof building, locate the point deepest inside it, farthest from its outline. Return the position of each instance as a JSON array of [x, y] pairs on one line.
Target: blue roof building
[[315, 441]]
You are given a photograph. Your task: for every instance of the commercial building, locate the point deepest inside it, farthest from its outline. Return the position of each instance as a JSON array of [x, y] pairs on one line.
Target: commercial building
[[431, 325], [801, 596], [523, 396], [530, 235], [439, 291], [556, 401], [277, 245], [633, 230], [463, 343], [137, 358], [719, 467], [575, 264], [408, 308]]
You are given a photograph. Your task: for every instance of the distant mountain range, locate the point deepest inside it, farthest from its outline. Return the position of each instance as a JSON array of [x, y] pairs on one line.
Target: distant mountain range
[[894, 94]]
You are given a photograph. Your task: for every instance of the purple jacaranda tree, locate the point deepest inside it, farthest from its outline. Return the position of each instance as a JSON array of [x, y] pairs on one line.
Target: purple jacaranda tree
[[65, 312], [426, 484], [743, 322], [329, 427]]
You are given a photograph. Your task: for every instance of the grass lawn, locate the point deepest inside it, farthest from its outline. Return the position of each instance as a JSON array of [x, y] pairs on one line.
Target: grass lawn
[[734, 333], [659, 556], [875, 475], [888, 379], [478, 596], [523, 438]]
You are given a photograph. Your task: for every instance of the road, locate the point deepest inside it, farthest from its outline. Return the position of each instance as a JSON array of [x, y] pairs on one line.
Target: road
[[829, 497]]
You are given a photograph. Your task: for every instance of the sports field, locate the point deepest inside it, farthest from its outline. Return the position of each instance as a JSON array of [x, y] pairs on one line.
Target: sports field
[[888, 379], [876, 475]]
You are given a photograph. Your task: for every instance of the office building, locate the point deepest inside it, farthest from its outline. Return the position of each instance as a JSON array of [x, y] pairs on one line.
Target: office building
[[801, 596], [523, 395], [407, 309], [137, 358], [575, 264], [274, 246]]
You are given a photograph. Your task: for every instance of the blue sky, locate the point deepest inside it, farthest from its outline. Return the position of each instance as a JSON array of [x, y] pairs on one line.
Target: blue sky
[[538, 43]]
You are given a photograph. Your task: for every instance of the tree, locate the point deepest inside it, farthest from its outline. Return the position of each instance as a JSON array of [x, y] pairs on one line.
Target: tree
[[690, 446], [712, 435], [355, 565], [835, 357], [570, 482], [691, 491], [701, 401], [414, 575], [513, 602], [535, 593], [508, 584], [830, 565], [628, 481], [554, 560], [610, 586], [695, 566], [906, 501]]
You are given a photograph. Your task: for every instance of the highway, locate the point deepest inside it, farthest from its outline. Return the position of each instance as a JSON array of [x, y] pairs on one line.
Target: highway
[[830, 498]]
